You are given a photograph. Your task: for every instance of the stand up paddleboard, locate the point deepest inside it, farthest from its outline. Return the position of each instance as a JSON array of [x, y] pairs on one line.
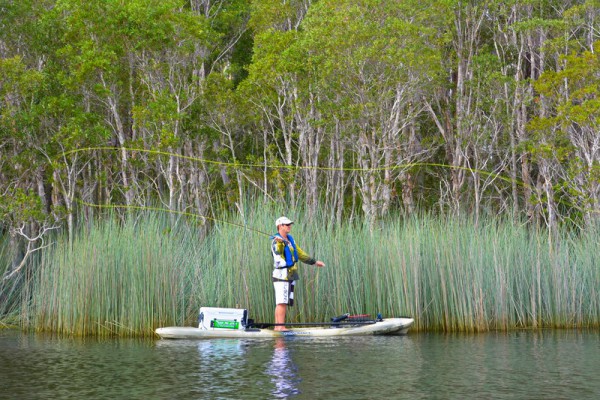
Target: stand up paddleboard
[[234, 323]]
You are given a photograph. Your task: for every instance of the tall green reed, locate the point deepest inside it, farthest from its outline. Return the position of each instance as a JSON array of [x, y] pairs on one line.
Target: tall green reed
[[114, 278], [129, 277], [10, 290]]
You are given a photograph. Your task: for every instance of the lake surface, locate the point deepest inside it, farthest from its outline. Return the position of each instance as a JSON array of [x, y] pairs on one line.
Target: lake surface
[[549, 364]]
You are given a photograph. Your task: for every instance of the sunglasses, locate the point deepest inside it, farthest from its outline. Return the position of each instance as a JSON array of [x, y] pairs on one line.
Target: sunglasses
[[288, 224]]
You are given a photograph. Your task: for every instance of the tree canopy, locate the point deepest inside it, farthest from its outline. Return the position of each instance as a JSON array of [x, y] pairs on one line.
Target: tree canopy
[[359, 106]]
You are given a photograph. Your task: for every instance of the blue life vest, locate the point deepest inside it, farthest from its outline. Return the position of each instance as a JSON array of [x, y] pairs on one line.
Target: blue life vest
[[290, 258]]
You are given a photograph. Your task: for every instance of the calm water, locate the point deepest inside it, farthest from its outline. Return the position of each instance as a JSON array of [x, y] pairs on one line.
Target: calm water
[[517, 365]]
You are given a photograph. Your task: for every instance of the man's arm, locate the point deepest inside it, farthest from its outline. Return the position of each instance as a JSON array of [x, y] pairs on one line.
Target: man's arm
[[305, 257]]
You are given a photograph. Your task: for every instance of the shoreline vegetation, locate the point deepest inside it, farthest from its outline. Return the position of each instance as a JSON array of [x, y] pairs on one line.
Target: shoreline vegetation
[[406, 137], [127, 277]]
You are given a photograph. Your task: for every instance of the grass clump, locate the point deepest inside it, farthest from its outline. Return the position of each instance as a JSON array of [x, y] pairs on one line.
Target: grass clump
[[127, 278]]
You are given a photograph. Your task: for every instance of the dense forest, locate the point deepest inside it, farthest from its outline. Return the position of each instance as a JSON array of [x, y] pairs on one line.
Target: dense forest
[[362, 108]]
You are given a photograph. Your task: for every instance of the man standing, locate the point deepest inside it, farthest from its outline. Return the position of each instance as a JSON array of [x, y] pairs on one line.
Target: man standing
[[285, 273]]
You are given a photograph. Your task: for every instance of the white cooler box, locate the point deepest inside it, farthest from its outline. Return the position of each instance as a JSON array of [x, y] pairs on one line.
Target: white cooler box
[[222, 318]]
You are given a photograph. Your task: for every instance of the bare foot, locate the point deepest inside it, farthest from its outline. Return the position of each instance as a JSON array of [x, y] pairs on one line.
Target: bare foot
[[281, 329]]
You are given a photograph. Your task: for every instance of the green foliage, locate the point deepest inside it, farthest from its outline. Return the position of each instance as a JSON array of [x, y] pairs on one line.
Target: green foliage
[[346, 34], [20, 89], [274, 14], [269, 59], [573, 93], [19, 207]]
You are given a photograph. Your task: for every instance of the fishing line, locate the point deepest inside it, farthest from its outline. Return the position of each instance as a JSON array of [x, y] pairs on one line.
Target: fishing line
[[236, 165], [150, 208], [292, 167]]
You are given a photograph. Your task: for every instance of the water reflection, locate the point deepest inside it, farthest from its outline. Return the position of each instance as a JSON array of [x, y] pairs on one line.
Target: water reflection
[[527, 364], [283, 372], [223, 350], [220, 360]]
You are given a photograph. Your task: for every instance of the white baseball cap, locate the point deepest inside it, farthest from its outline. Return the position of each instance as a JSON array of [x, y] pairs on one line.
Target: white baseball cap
[[283, 221]]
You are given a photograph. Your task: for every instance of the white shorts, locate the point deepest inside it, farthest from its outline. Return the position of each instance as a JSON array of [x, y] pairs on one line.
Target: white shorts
[[284, 292]]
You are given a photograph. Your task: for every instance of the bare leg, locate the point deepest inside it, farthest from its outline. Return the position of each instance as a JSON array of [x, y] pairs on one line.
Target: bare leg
[[280, 310]]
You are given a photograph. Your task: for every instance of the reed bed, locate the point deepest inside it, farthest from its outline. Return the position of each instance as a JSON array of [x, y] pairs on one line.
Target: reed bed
[[127, 278], [10, 293]]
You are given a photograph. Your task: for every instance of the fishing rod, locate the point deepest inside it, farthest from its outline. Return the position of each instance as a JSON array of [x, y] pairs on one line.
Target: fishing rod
[[263, 325], [342, 320]]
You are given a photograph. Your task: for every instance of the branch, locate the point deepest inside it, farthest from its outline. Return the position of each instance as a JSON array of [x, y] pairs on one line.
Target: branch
[[30, 242]]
